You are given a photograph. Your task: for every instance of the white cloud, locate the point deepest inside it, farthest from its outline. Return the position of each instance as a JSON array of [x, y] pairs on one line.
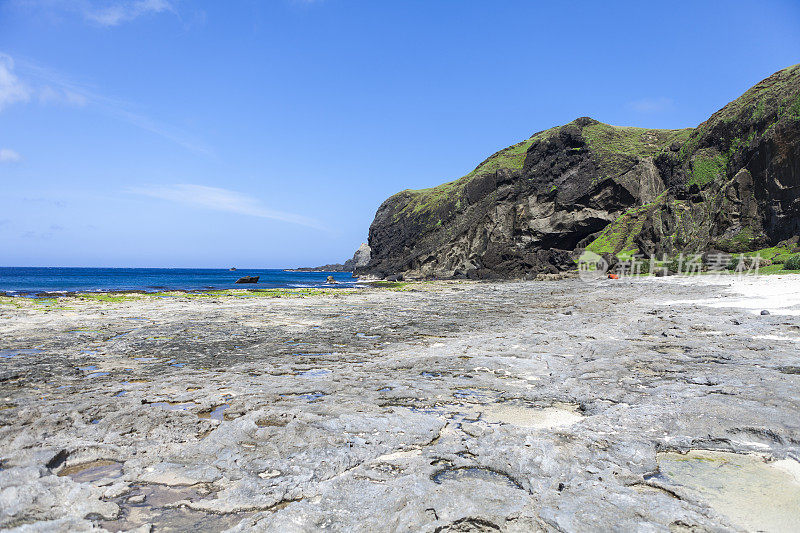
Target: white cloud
[[651, 105], [50, 87], [12, 90], [116, 13], [55, 95], [163, 130], [102, 12], [221, 200], [9, 156]]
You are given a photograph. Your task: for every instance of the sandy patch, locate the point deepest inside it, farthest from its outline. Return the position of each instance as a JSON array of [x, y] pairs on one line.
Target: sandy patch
[[780, 295], [558, 415], [752, 493]]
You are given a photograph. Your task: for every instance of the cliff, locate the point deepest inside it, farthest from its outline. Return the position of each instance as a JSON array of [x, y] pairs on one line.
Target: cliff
[[732, 183]]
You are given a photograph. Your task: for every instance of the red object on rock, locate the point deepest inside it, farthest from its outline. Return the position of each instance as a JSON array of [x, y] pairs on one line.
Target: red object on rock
[[613, 276]]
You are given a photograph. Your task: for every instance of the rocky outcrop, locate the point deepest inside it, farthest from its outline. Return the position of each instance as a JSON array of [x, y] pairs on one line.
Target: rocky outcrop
[[360, 259], [732, 183]]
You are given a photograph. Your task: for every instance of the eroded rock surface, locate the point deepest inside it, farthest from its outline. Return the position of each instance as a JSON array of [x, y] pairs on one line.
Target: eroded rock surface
[[441, 407]]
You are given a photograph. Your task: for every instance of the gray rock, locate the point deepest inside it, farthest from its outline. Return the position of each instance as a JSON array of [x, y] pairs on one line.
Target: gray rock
[[461, 406]]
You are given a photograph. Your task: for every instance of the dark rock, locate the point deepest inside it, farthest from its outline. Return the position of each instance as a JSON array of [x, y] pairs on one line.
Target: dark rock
[[10, 375], [764, 312], [331, 280], [57, 460], [248, 279]]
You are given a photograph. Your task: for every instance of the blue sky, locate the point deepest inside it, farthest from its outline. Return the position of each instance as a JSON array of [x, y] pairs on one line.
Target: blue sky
[[267, 133]]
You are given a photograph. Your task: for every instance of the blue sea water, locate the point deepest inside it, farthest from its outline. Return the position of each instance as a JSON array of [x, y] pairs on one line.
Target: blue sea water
[[29, 281]]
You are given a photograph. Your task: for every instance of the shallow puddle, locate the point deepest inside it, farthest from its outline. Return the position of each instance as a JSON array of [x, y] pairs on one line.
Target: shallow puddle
[[114, 337], [218, 413], [529, 416], [314, 373], [92, 471], [170, 519], [474, 395], [474, 474], [8, 354], [312, 396], [161, 495], [754, 494], [174, 406]]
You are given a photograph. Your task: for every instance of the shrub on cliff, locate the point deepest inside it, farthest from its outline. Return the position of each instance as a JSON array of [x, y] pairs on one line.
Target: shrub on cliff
[[793, 263]]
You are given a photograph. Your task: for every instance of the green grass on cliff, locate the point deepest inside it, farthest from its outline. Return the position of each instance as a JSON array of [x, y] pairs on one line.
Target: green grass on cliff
[[618, 237], [631, 141], [780, 254], [706, 169], [760, 108], [794, 107], [614, 147], [745, 240], [429, 200], [511, 158], [780, 92], [705, 152], [617, 148]]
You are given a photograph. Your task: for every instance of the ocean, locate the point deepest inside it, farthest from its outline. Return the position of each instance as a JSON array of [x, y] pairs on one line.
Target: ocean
[[30, 281]]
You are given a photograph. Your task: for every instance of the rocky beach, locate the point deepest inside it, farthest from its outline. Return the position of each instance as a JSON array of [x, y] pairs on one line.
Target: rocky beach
[[646, 404], [557, 281]]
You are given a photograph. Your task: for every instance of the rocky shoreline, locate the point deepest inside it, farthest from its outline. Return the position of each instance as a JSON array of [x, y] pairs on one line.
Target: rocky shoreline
[[446, 406]]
